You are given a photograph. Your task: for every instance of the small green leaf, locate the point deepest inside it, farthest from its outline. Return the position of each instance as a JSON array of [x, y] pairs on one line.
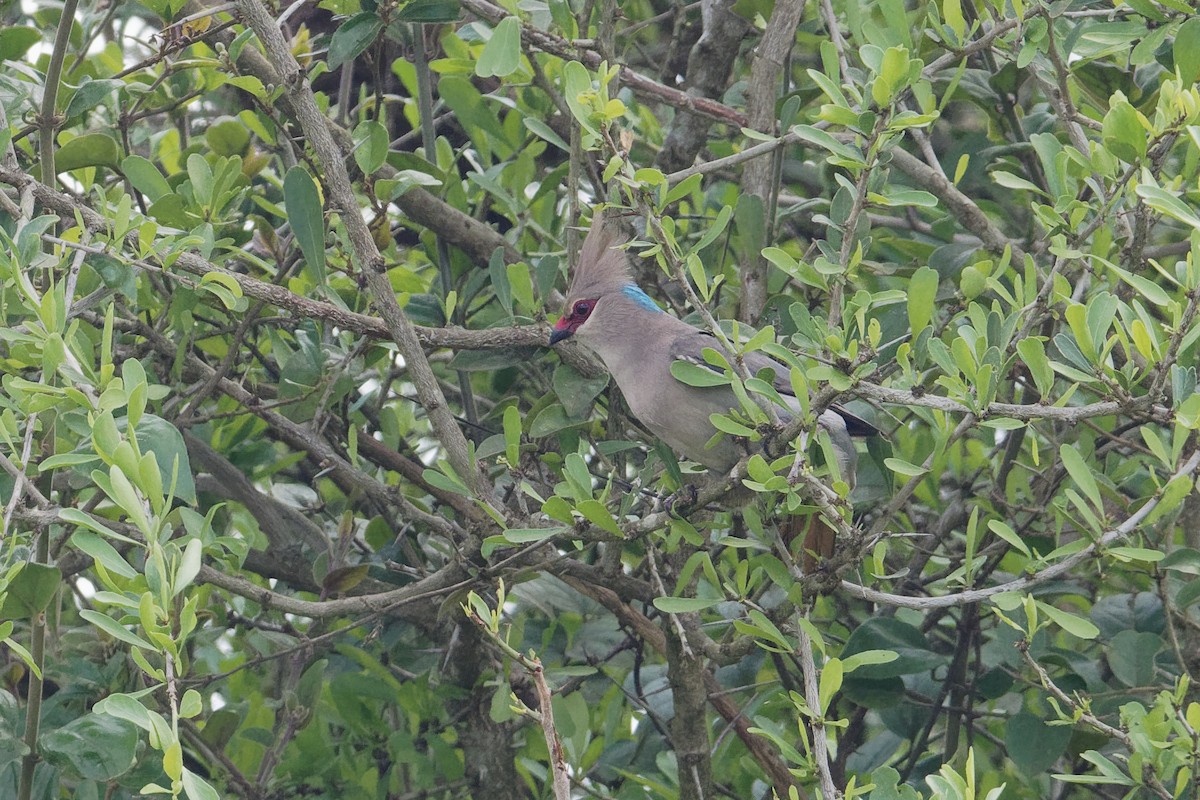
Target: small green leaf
[[1186, 49], [1128, 554], [304, 214], [353, 37], [530, 535], [1164, 202], [1081, 473], [501, 55], [1006, 533], [145, 177], [726, 425], [903, 467], [90, 94], [696, 375], [196, 787], [952, 13], [1033, 353], [1122, 131], [922, 293], [88, 150], [370, 146], [512, 435], [596, 513], [228, 137], [429, 11], [104, 553], [683, 605], [831, 682], [1076, 626], [577, 81], [30, 591], [115, 630]]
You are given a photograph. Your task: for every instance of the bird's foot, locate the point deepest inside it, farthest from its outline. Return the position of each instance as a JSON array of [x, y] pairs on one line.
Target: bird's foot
[[680, 502]]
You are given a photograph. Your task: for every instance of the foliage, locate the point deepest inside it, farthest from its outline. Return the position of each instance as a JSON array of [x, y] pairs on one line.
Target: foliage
[[277, 408]]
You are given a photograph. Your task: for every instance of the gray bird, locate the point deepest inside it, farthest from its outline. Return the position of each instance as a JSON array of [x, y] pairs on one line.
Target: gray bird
[[638, 342]]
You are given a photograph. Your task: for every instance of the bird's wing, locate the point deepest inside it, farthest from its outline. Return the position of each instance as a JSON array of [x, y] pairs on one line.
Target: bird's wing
[[689, 347]]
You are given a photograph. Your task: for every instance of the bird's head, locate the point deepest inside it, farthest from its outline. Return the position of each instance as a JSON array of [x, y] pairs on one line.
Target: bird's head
[[574, 317]]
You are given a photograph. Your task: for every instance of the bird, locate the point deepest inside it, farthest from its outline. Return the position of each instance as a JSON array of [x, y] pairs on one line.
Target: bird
[[610, 315]]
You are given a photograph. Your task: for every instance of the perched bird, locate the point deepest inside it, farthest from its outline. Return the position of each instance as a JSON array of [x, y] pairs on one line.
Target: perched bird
[[638, 342]]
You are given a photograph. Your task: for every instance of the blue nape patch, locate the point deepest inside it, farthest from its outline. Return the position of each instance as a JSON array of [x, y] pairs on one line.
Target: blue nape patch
[[635, 293]]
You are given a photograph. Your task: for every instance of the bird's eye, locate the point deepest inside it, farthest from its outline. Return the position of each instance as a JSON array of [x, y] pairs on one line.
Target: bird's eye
[[582, 309]]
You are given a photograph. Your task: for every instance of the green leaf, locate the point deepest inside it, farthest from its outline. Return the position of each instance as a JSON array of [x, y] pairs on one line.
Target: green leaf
[[370, 146], [512, 435], [866, 658], [306, 218], [544, 131], [501, 55], [196, 787], [695, 375], [440, 480], [104, 553], [30, 591], [88, 150], [1033, 353], [1122, 131], [529, 535], [1128, 554], [228, 137], [1131, 656], [952, 13], [897, 198], [913, 653], [596, 513], [1076, 626], [115, 630], [903, 467], [550, 420], [716, 228], [726, 425], [831, 681], [576, 392], [1011, 181], [1033, 745], [189, 566], [521, 284], [160, 437], [1081, 473], [684, 605], [1186, 50], [820, 138], [90, 94], [353, 37], [97, 747], [1164, 202], [126, 707], [429, 11], [577, 81], [145, 177], [760, 627], [15, 41], [77, 517], [922, 294], [1005, 532]]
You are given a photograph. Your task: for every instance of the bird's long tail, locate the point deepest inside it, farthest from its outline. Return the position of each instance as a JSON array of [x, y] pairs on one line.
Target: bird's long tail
[[817, 535]]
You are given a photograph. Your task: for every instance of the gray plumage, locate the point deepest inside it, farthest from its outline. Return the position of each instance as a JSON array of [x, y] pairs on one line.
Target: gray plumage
[[638, 342]]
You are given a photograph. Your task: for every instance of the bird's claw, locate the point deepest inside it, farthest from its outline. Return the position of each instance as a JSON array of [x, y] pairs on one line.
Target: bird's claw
[[680, 502]]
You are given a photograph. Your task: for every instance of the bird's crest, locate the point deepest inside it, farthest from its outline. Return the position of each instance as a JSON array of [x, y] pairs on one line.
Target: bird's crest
[[602, 267]]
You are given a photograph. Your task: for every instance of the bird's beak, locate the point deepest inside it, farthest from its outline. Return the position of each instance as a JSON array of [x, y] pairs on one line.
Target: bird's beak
[[561, 331]]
